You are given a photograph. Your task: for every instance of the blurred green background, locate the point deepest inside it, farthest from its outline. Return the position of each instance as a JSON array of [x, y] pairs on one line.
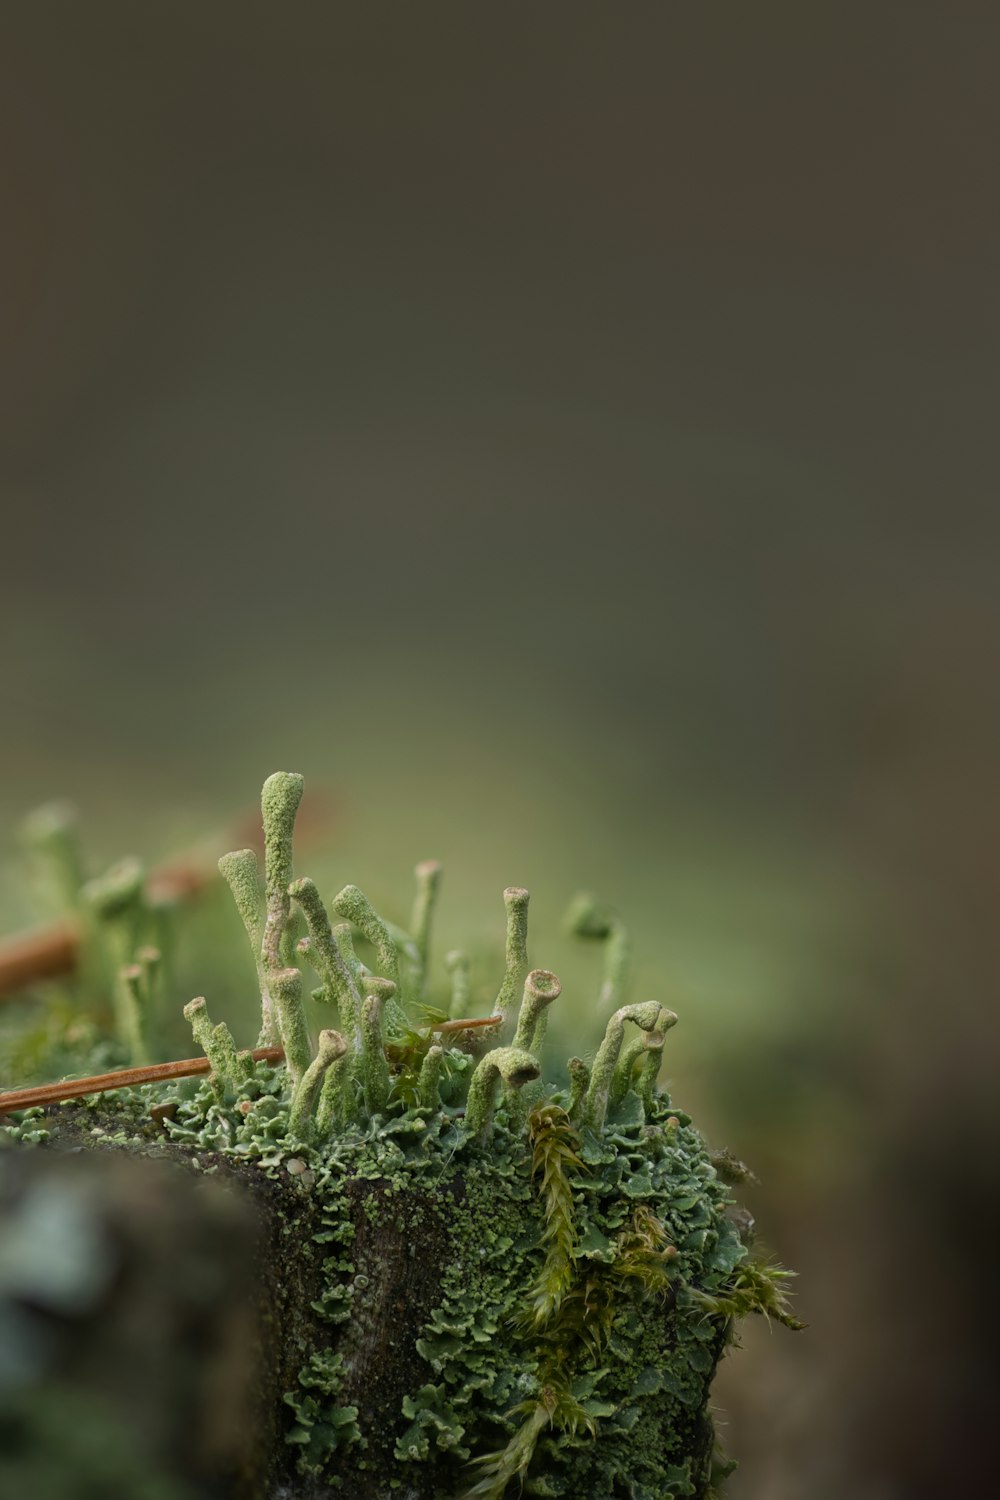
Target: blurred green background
[[567, 435]]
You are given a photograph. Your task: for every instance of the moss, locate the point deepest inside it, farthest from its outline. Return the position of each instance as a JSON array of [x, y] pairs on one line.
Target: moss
[[485, 1289]]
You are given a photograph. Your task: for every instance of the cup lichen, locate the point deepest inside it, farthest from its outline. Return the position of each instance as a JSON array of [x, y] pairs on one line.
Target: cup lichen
[[506, 1288]]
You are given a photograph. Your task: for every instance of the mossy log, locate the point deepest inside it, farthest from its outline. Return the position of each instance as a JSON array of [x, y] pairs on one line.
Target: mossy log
[[288, 1332], [383, 1265]]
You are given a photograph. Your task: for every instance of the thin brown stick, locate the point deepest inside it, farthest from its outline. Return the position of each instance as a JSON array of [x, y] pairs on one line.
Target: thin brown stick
[[122, 1078], [449, 1026]]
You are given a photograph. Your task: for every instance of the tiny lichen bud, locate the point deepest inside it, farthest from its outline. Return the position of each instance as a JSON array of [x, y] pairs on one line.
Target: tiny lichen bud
[[585, 917], [116, 891], [330, 1047], [429, 1080], [196, 1013], [730, 1169], [512, 1064], [132, 1011], [150, 960]]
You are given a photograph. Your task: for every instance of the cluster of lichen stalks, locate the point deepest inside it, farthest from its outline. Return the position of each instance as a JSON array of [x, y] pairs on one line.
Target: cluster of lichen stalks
[[348, 1078], [585, 1263]]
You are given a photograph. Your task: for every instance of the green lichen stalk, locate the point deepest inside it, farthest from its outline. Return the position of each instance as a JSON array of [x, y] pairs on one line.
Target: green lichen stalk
[[511, 1064], [603, 1072], [515, 899], [331, 1047], [328, 959]]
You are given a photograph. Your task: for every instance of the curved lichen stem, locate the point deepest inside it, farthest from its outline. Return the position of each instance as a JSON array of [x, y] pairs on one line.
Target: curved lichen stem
[[637, 1049], [328, 958], [352, 904], [541, 987], [331, 1046], [596, 1103], [343, 936], [512, 1064]]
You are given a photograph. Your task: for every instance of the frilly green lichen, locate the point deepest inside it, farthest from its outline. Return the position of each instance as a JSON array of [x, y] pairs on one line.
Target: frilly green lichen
[[587, 1272]]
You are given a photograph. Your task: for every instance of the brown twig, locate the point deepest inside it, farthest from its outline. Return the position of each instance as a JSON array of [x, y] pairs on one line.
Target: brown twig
[[44, 954], [450, 1026], [122, 1078]]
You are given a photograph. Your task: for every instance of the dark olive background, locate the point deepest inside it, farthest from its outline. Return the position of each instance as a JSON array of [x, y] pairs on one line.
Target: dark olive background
[[567, 434]]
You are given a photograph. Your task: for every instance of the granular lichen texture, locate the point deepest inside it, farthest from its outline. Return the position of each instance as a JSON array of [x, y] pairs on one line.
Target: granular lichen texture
[[483, 1283]]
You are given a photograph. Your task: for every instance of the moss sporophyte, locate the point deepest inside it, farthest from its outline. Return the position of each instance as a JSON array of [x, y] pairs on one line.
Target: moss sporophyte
[[507, 1284]]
